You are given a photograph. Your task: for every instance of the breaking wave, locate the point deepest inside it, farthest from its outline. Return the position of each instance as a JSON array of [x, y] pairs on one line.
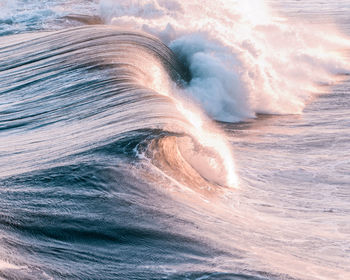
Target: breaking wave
[[83, 88], [243, 57]]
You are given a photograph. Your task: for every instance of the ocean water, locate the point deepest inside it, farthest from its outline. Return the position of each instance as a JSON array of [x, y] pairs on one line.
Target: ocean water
[[174, 139]]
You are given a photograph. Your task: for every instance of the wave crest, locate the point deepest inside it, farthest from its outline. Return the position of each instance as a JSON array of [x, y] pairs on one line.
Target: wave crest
[[71, 92]]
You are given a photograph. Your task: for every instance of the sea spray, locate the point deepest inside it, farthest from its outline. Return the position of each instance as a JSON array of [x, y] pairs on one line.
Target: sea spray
[[244, 58]]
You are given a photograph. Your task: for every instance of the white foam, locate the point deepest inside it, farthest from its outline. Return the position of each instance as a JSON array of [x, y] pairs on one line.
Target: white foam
[[244, 58]]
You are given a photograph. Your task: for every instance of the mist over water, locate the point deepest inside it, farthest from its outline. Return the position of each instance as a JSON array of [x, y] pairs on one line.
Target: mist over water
[[174, 139]]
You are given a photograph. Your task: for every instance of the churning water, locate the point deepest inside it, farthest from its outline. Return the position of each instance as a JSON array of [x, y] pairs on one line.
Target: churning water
[[171, 139]]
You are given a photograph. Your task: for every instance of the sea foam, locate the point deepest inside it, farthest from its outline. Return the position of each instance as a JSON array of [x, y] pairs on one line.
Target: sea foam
[[243, 58]]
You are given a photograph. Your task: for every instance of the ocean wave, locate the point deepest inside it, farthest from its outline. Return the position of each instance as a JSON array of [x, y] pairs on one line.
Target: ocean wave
[[72, 91], [110, 167]]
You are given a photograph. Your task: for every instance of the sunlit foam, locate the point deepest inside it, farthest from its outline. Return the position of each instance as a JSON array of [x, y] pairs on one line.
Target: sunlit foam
[[221, 169], [214, 140], [192, 117], [254, 11], [244, 58]]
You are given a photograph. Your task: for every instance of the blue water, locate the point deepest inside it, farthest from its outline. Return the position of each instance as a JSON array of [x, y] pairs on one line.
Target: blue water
[[102, 176]]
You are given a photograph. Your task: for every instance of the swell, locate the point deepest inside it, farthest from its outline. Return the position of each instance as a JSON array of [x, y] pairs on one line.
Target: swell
[[72, 92]]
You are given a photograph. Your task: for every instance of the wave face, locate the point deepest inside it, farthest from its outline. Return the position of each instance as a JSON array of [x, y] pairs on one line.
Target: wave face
[[112, 167], [112, 83], [83, 106]]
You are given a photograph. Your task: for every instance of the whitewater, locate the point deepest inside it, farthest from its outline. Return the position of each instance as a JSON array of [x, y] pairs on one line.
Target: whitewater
[[174, 139]]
